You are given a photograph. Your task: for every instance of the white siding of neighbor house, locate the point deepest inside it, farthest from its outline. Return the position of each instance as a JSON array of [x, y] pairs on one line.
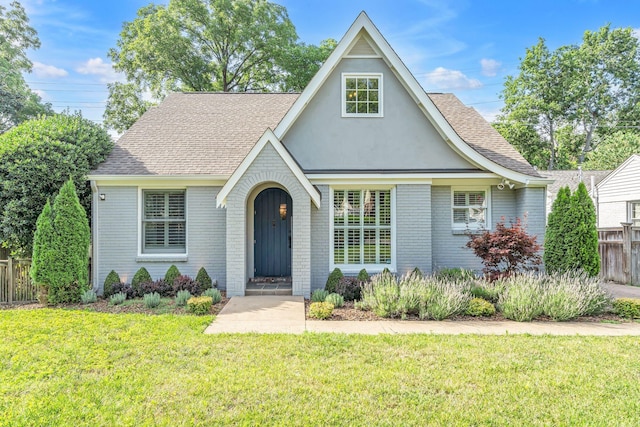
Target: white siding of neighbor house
[[321, 139], [615, 191], [117, 231]]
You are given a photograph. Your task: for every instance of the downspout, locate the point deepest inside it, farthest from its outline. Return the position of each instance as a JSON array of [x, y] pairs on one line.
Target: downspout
[[594, 195], [94, 235]]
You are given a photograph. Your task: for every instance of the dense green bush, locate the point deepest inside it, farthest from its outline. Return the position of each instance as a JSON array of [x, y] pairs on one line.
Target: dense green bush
[[171, 274], [488, 290], [627, 307], [332, 280], [204, 279], [151, 300], [61, 248], [89, 296], [336, 299], [36, 159], [112, 279], [199, 305], [319, 295], [215, 295], [363, 276], [182, 297], [455, 274], [117, 298], [141, 276], [320, 310], [480, 307]]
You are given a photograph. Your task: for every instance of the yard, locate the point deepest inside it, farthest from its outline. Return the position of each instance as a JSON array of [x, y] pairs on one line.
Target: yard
[[71, 367]]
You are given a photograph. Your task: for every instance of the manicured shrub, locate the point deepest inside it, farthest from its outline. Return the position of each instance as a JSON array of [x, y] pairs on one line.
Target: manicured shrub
[[320, 310], [117, 298], [522, 298], [557, 228], [151, 300], [204, 279], [363, 276], [182, 297], [336, 299], [142, 275], [186, 283], [480, 307], [199, 305], [160, 286], [332, 280], [171, 274], [506, 250], [319, 295], [350, 288], [89, 296], [487, 290], [124, 288], [215, 295], [61, 248], [627, 307], [111, 279]]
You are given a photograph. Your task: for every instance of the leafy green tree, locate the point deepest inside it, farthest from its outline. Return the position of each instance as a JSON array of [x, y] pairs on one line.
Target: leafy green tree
[[36, 158], [61, 248], [572, 96], [582, 240], [17, 101], [613, 150], [207, 45], [557, 228]]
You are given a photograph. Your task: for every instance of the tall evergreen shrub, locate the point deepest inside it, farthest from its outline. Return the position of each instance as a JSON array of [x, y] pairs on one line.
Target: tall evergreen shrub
[[557, 228]]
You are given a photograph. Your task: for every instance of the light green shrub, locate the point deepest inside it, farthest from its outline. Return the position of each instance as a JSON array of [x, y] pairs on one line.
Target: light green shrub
[[89, 296], [336, 299], [199, 305], [215, 295], [182, 297], [320, 310], [118, 298], [141, 276], [171, 274], [204, 279], [363, 276], [319, 295], [627, 307], [522, 299], [332, 280], [151, 300], [480, 307]]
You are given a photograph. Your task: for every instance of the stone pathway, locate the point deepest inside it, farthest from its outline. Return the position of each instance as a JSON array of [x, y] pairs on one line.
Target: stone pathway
[[285, 314]]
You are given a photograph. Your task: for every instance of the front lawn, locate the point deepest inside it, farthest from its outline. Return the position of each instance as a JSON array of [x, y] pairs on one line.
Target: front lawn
[[67, 367]]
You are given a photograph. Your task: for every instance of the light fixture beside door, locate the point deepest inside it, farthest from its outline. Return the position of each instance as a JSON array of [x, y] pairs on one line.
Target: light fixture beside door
[[283, 211]]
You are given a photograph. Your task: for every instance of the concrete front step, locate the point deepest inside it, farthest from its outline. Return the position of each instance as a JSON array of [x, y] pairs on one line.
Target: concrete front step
[[268, 287]]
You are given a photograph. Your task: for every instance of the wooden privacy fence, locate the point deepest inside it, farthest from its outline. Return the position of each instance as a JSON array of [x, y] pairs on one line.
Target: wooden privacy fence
[[619, 249], [15, 282]]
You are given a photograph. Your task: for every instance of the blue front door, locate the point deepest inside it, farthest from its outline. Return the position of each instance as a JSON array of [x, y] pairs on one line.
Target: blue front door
[[272, 232]]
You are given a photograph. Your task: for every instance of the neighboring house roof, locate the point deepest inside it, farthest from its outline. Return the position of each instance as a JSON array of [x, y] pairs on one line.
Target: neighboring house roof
[[632, 158], [570, 178], [479, 134], [196, 134]]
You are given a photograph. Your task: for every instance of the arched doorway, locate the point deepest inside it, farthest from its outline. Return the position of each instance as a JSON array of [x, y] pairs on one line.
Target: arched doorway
[[272, 233]]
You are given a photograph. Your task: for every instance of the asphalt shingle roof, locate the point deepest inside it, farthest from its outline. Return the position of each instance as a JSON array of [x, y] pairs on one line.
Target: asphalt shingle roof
[[211, 133]]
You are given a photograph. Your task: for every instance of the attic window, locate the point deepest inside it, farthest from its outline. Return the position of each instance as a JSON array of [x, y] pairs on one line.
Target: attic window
[[362, 95]]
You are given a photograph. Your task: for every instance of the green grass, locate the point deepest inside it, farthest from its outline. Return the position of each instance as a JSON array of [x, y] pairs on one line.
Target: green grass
[[63, 367]]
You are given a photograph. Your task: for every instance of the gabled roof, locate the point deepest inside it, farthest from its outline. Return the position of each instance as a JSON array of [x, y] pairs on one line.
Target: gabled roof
[[268, 138], [196, 134], [623, 165]]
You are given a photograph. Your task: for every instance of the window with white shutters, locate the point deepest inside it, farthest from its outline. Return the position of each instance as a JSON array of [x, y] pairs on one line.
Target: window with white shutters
[[470, 209], [163, 222], [362, 225]]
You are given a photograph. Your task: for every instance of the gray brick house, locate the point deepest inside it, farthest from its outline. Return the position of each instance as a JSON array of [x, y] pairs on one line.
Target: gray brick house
[[363, 169]]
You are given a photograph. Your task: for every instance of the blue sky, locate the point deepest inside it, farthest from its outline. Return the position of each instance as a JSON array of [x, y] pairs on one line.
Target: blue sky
[[465, 47]]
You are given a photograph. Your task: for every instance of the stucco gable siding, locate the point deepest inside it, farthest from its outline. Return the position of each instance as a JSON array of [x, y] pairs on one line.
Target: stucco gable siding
[[404, 139]]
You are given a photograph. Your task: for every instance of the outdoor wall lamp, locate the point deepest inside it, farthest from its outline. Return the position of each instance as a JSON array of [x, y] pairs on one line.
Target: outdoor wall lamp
[[283, 211], [103, 196]]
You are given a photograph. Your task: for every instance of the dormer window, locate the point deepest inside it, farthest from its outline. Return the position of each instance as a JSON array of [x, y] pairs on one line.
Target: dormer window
[[362, 95]]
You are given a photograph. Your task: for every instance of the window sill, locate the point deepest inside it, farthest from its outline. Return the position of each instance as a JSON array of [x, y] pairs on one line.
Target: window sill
[[458, 232], [162, 258]]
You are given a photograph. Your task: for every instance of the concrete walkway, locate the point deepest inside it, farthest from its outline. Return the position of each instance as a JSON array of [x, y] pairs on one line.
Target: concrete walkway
[[285, 314]]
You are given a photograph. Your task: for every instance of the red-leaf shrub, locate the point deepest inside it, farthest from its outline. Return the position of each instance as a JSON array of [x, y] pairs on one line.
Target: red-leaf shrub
[[506, 250]]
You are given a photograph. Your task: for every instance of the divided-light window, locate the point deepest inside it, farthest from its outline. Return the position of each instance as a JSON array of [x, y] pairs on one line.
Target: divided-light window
[[362, 227], [362, 95], [469, 209], [163, 222], [634, 217]]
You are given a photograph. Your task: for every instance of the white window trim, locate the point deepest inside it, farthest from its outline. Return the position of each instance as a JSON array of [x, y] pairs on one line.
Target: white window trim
[[169, 257], [488, 223], [343, 93], [355, 268], [630, 210]]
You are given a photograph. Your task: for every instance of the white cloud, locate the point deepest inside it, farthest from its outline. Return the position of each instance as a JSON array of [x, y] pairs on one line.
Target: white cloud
[[490, 67], [443, 78], [97, 67], [48, 71]]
